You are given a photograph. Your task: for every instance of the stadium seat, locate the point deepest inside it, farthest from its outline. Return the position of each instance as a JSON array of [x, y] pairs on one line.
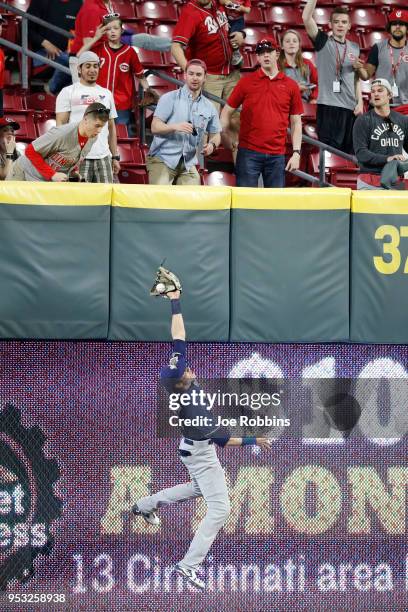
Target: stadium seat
[[368, 39], [160, 85], [282, 17], [131, 153], [121, 131], [158, 11], [153, 59], [310, 130], [14, 102], [41, 102], [12, 29], [322, 15], [310, 55], [27, 129], [254, 35], [19, 4], [163, 30], [135, 176], [367, 19], [332, 162], [309, 112], [126, 9], [218, 178], [44, 125], [344, 178], [255, 17]]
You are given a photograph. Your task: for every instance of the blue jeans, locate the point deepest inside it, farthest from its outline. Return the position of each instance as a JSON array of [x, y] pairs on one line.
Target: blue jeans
[[59, 79], [126, 117], [150, 42], [251, 164]]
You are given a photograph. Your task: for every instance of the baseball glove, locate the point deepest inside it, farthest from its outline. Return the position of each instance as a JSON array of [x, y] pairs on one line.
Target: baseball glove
[[150, 97], [165, 281]]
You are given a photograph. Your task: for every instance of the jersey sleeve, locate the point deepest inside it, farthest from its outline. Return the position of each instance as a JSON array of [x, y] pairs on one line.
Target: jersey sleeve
[[373, 56], [185, 28], [176, 366], [320, 40], [135, 64]]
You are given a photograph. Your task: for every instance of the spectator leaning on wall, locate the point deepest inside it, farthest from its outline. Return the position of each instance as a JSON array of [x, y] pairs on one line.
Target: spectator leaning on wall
[[50, 44], [8, 151], [340, 99], [181, 119], [388, 59], [380, 136], [102, 161], [55, 156], [270, 102]]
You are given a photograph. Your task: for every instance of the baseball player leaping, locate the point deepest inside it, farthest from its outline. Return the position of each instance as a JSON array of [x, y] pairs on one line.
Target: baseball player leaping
[[197, 450]]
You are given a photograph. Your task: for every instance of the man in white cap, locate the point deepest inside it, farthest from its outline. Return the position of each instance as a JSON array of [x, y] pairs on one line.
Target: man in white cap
[[102, 162], [379, 136]]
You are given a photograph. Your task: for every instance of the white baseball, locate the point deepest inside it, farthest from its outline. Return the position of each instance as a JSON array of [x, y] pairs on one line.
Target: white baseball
[[160, 287]]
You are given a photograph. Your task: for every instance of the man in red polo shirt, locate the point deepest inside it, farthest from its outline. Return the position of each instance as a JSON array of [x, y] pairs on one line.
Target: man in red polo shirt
[[270, 102], [203, 32]]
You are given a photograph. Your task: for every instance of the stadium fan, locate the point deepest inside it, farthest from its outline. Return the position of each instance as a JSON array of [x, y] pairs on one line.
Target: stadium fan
[[119, 65], [388, 59], [380, 136], [340, 99], [2, 67], [235, 11], [48, 43], [102, 161], [297, 67], [202, 32], [55, 156], [8, 151], [270, 101], [181, 119]]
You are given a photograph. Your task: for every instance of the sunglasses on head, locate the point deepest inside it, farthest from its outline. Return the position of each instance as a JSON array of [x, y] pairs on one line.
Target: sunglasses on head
[[110, 17]]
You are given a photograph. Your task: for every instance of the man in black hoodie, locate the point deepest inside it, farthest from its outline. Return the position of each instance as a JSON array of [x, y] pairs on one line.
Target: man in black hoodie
[[53, 45], [379, 136]]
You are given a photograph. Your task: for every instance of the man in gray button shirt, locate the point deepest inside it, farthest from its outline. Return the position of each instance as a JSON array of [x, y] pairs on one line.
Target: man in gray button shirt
[[180, 122], [340, 99]]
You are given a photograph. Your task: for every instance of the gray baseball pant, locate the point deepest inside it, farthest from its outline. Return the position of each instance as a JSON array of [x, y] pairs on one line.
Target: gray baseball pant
[[208, 481]]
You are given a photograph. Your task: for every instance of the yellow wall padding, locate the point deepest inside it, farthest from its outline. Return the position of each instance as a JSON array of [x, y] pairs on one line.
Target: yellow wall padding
[[178, 197], [380, 202], [291, 199], [56, 194]]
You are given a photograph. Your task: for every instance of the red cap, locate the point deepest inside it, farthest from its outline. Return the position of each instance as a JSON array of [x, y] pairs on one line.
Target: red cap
[[265, 44], [398, 15], [197, 62], [7, 122]]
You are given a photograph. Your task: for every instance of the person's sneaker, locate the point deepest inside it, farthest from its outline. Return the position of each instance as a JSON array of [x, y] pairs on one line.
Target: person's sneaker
[[191, 576], [149, 517], [237, 58]]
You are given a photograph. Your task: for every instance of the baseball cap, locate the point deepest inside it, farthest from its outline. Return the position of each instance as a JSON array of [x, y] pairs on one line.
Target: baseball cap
[[384, 83], [398, 15], [96, 107], [196, 62], [7, 122], [87, 56], [266, 44]]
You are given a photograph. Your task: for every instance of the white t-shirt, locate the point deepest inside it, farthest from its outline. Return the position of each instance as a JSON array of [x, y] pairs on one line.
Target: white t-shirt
[[75, 99]]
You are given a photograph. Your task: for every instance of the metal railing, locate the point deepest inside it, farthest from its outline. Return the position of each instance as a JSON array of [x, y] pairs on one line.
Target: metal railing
[[23, 48], [321, 180]]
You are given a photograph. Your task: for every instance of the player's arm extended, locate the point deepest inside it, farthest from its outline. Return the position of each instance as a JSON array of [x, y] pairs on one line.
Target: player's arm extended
[[178, 331], [262, 442]]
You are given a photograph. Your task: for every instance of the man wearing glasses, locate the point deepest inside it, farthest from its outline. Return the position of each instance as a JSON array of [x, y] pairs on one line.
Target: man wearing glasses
[[379, 136], [271, 102]]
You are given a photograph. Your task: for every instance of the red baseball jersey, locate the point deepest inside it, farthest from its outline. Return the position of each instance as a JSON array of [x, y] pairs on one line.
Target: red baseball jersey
[[2, 68], [117, 73], [204, 31]]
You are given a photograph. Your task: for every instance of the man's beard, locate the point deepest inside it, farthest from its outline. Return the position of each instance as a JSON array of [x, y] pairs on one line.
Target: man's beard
[[398, 37]]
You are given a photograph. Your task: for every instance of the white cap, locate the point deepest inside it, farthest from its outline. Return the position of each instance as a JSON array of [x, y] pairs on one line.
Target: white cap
[[384, 83], [87, 56]]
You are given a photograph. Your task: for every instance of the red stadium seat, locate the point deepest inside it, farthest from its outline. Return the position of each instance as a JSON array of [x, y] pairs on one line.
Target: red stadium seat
[[254, 35], [219, 178], [368, 39], [12, 29], [163, 30], [332, 162], [41, 102], [283, 16], [158, 11], [310, 130], [14, 102], [135, 176], [368, 19], [125, 9], [344, 178], [121, 131], [152, 59], [322, 15], [255, 17], [19, 4], [159, 84], [310, 55], [27, 129], [131, 153], [309, 111], [43, 126]]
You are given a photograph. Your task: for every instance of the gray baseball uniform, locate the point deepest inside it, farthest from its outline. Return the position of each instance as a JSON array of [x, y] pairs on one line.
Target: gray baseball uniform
[[197, 452]]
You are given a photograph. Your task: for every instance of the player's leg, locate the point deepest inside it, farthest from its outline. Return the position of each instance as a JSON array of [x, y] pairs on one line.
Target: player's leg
[[213, 487], [146, 506]]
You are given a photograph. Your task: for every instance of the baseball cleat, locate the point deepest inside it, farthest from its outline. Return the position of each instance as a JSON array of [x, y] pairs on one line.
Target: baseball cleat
[[191, 576], [149, 517]]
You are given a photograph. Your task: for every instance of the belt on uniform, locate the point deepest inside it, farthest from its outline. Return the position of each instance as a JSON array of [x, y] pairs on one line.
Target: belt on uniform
[[191, 442]]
